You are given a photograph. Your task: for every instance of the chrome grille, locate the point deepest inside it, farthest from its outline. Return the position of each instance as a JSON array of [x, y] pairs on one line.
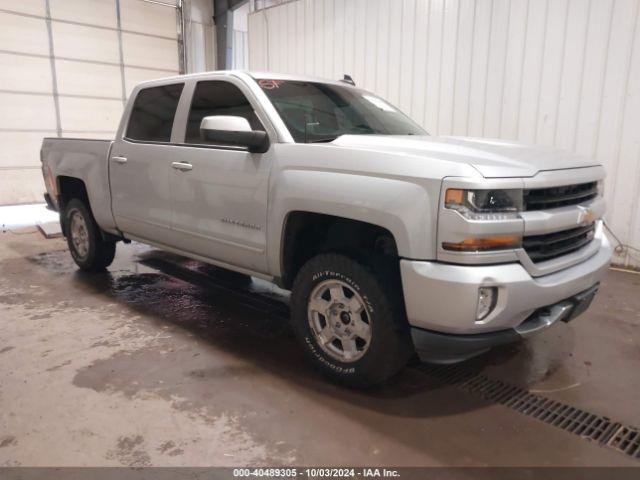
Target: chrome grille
[[543, 198], [553, 245]]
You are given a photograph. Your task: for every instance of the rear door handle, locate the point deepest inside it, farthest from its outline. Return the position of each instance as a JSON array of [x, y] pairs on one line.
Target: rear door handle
[[182, 166], [120, 160]]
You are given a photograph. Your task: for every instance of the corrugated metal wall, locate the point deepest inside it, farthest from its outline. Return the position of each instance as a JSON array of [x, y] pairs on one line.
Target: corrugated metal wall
[[240, 47], [67, 67], [240, 59], [555, 72]]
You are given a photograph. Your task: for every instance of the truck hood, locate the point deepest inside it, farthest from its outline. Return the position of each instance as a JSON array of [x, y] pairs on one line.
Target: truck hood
[[493, 158]]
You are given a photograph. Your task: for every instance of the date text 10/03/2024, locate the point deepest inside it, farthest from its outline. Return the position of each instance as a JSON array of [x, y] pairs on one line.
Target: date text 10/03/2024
[[316, 472]]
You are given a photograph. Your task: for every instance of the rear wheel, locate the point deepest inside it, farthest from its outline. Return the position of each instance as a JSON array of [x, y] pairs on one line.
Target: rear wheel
[[88, 249], [350, 320]]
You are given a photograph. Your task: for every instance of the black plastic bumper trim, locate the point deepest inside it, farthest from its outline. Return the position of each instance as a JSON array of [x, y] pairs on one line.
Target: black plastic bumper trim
[[450, 348]]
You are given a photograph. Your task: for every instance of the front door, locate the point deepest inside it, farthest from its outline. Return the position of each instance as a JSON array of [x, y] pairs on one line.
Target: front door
[[219, 193], [140, 166]]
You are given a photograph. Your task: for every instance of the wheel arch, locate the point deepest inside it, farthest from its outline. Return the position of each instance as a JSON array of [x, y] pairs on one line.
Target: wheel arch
[[72, 187], [308, 233], [69, 188]]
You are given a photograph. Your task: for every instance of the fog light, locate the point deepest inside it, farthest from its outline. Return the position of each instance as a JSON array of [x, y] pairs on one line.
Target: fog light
[[487, 298]]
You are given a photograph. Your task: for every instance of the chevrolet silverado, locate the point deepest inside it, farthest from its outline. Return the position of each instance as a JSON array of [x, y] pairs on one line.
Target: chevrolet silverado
[[394, 243]]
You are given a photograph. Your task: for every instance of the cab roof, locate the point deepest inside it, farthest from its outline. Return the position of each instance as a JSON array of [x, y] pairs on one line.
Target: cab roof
[[256, 75]]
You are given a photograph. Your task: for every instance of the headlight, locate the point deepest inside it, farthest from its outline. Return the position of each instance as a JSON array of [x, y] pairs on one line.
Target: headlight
[[601, 187], [484, 204]]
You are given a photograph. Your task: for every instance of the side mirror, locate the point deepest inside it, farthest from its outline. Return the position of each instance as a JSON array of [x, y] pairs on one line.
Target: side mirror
[[232, 130]]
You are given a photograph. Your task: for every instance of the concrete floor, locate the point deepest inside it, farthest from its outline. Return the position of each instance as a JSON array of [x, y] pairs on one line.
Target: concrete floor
[[155, 363]]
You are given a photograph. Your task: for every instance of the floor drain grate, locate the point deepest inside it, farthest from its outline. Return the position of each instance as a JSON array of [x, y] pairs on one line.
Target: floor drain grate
[[596, 428], [626, 440]]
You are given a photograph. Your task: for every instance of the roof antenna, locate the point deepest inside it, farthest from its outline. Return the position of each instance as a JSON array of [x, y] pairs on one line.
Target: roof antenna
[[348, 79]]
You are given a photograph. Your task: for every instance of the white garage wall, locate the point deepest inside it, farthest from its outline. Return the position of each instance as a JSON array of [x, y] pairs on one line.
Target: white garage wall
[[67, 67], [556, 72]]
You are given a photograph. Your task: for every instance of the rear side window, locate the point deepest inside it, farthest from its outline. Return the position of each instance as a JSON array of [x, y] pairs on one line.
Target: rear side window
[[217, 97], [153, 112]]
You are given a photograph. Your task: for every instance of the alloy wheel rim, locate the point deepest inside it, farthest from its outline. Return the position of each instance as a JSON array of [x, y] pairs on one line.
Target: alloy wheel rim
[[79, 234], [339, 320]]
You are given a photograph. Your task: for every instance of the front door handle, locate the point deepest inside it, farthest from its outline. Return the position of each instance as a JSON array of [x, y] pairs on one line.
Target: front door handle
[[120, 160], [182, 166]]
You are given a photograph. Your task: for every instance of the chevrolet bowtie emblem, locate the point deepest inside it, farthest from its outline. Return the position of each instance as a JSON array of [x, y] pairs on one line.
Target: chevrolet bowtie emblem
[[585, 216]]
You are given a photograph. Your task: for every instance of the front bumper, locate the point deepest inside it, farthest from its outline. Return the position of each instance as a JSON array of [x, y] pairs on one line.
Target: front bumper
[[442, 298], [448, 348]]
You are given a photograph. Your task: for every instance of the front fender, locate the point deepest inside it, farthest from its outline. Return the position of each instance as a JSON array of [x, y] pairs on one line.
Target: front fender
[[404, 207]]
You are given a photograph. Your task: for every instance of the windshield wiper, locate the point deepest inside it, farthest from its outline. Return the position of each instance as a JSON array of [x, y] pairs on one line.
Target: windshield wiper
[[362, 128], [322, 140]]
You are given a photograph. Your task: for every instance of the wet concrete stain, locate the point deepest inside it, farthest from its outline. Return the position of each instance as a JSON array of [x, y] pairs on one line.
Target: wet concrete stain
[[8, 441], [106, 343], [170, 448], [53, 261], [168, 445], [129, 452], [15, 299], [6, 349], [56, 367]]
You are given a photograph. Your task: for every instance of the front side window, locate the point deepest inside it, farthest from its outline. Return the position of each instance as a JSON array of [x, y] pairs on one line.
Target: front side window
[[321, 112], [153, 112], [217, 97]]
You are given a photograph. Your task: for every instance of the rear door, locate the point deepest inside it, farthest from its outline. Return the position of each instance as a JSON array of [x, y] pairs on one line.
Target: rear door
[[220, 195], [140, 165]]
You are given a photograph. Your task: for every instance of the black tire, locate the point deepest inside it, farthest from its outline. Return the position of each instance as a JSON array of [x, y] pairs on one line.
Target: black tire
[[99, 253], [390, 345]]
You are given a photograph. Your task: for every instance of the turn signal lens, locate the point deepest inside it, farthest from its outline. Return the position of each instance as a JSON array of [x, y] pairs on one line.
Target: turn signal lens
[[453, 197], [482, 244]]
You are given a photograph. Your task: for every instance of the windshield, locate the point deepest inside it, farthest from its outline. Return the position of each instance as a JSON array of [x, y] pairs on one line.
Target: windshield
[[321, 112]]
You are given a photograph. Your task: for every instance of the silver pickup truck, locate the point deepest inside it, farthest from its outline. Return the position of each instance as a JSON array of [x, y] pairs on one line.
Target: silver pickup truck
[[393, 242]]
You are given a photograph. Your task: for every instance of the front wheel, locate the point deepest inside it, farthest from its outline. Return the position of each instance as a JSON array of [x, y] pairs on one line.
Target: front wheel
[[88, 249], [350, 320]]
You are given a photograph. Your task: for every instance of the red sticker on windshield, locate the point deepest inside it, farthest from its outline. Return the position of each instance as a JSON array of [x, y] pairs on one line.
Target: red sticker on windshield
[[270, 84]]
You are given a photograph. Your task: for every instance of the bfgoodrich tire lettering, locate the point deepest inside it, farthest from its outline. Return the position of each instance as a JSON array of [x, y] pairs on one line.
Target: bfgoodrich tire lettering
[[389, 346]]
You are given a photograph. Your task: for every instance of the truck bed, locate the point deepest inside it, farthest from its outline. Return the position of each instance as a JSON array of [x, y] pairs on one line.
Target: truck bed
[[86, 160]]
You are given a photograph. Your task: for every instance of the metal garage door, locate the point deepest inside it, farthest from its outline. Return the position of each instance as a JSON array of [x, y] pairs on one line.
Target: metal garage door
[[66, 68]]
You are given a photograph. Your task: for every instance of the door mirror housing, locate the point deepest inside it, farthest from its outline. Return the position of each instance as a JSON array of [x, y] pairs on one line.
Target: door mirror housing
[[233, 130]]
